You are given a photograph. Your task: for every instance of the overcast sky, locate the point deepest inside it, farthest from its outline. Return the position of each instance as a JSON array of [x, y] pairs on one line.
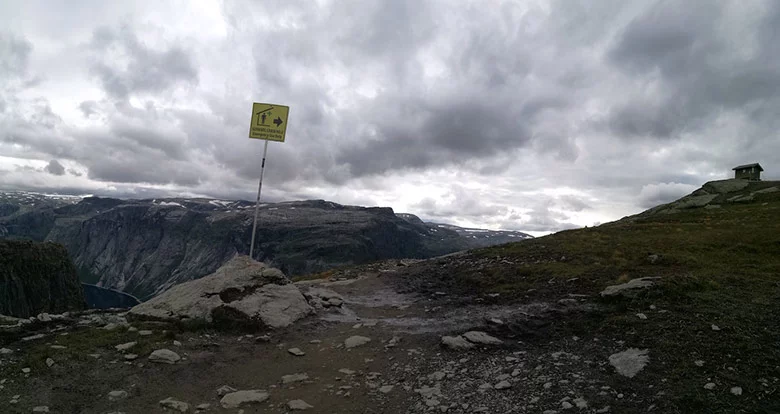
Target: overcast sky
[[529, 115]]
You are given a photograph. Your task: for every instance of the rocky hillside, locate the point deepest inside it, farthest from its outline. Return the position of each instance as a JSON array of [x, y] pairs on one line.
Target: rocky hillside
[[143, 247], [37, 278]]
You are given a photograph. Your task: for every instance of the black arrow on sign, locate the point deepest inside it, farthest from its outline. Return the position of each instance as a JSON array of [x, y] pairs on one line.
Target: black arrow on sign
[[278, 121]]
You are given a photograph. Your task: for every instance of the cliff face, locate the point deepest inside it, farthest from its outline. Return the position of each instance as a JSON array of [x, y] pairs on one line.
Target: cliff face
[[36, 278], [143, 247]]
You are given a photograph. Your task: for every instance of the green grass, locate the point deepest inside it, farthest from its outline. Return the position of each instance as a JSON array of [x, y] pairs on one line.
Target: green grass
[[89, 340], [717, 266]]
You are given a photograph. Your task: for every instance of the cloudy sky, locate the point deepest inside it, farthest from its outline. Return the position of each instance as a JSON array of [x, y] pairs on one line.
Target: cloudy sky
[[528, 115]]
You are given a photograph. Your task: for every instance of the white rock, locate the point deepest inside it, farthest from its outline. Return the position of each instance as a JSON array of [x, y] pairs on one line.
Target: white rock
[[176, 343], [40, 409], [44, 317], [699, 363], [110, 326], [286, 379], [715, 327], [385, 389], [629, 362], [298, 405], [580, 403], [33, 337], [641, 316], [629, 288], [243, 397], [456, 342], [26, 370], [125, 346], [58, 347], [264, 295], [225, 389], [203, 407], [479, 337], [502, 385], [709, 386], [566, 405], [296, 352], [132, 329], [131, 357], [356, 340], [49, 362], [347, 371], [165, 356], [145, 332], [315, 341], [117, 395], [6, 351], [736, 390], [172, 404]]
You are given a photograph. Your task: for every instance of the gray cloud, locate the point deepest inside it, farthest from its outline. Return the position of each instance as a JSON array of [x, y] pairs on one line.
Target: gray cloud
[[55, 168], [144, 69], [466, 113]]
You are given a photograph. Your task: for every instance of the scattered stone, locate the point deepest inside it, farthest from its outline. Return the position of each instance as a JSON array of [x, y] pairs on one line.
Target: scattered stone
[[165, 356], [203, 407], [502, 385], [58, 347], [566, 405], [479, 337], [225, 389], [286, 379], [603, 410], [44, 317], [580, 403], [456, 342], [132, 329], [172, 404], [5, 351], [736, 390], [125, 346], [296, 352], [110, 326], [630, 288], [33, 337], [437, 376], [629, 362], [243, 397], [40, 409], [699, 363], [709, 386], [176, 343], [715, 327], [145, 332], [26, 370], [385, 389], [298, 405], [357, 340], [315, 341], [117, 395], [641, 316], [49, 362], [131, 357], [346, 371]]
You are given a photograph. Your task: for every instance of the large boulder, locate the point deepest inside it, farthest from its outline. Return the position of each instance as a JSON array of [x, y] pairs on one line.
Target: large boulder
[[37, 278], [242, 292]]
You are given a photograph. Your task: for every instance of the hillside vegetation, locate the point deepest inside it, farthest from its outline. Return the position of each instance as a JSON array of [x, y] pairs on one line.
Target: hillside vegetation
[[718, 299]]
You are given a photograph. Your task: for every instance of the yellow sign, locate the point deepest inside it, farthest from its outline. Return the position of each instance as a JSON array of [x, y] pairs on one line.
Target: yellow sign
[[269, 121]]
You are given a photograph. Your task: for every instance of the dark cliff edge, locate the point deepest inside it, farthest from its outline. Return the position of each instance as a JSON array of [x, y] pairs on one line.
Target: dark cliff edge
[[36, 278]]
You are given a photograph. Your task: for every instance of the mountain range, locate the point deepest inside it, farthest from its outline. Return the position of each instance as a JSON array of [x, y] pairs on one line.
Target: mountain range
[[143, 247]]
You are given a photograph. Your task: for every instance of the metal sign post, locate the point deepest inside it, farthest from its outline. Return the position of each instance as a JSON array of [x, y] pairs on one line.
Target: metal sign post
[[257, 203], [269, 123]]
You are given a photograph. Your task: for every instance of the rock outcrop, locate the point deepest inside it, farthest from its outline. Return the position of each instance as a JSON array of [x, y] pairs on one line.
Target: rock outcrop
[[37, 278], [242, 292]]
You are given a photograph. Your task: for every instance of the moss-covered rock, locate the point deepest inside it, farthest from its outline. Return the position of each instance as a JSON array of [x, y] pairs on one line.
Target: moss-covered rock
[[36, 278]]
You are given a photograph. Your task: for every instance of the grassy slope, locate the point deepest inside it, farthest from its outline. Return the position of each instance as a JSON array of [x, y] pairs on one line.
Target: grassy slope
[[718, 266]]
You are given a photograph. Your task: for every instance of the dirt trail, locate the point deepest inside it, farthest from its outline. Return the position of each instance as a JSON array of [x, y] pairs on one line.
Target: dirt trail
[[402, 369]]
